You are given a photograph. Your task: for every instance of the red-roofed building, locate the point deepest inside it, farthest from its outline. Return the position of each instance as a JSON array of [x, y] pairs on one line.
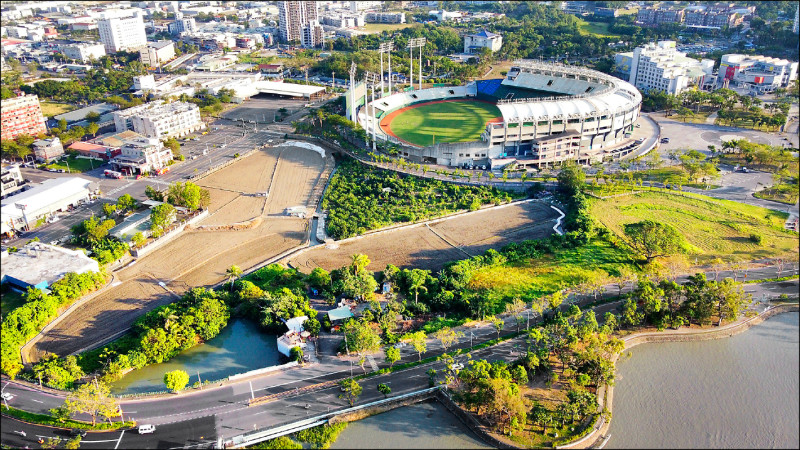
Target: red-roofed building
[[94, 150]]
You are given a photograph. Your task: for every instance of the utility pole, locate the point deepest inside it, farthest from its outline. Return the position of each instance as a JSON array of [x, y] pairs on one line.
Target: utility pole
[[372, 80], [412, 44], [386, 47], [422, 42]]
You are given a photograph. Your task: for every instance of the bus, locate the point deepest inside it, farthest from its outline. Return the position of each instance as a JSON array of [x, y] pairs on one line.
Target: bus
[[112, 174]]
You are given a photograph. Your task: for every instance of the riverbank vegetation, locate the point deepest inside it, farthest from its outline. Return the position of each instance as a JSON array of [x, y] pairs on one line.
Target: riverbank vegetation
[[362, 198], [319, 437]]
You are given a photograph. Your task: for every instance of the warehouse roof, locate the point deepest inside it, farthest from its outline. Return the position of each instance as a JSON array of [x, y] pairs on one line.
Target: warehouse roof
[[41, 265], [80, 114], [49, 192], [294, 90]]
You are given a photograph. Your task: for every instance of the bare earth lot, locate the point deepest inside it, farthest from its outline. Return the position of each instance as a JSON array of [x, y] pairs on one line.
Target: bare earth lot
[[431, 248], [201, 257]]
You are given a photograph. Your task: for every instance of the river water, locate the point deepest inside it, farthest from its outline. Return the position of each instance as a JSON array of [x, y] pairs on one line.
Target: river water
[[737, 392], [240, 347], [422, 425]]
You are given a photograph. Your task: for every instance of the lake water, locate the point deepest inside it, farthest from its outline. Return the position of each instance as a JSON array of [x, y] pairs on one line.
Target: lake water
[[240, 347], [737, 392], [423, 425]]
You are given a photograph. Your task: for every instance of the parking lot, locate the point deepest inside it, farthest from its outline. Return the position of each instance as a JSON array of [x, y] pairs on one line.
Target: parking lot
[[263, 109]]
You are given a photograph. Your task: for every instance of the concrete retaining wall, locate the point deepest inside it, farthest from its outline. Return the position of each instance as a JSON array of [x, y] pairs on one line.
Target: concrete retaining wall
[[138, 253], [472, 423], [251, 373]]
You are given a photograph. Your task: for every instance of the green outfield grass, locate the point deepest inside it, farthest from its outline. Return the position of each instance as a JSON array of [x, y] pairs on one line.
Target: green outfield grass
[[459, 121]]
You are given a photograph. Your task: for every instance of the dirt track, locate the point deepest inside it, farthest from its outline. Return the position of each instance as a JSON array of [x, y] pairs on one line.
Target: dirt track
[[197, 257], [424, 248]]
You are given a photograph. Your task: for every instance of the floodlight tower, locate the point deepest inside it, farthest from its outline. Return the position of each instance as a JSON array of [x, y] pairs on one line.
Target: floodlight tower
[[372, 80], [421, 43], [386, 47], [412, 44], [352, 91]]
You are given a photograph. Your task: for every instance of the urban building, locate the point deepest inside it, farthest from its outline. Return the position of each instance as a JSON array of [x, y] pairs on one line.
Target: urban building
[[712, 18], [473, 43], [796, 24], [660, 66], [119, 34], [760, 74], [94, 151], [293, 16], [21, 115], [182, 24], [160, 120], [312, 34], [658, 16], [444, 16], [362, 5], [48, 149], [385, 17], [142, 155], [11, 180], [344, 20], [84, 52], [39, 265], [53, 195], [144, 82], [156, 53]]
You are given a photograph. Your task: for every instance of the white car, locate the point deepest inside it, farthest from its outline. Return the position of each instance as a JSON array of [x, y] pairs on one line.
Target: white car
[[457, 366], [147, 429], [7, 396]]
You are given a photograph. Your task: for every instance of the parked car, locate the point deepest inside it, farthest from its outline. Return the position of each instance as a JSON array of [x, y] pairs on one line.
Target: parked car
[[77, 432], [7, 396], [147, 429], [665, 140]]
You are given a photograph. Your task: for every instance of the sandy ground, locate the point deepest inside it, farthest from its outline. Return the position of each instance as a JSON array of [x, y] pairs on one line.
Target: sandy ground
[[197, 257], [426, 248]]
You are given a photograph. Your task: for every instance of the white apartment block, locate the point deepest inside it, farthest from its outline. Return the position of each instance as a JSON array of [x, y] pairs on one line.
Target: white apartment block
[[118, 34], [182, 24], [156, 53], [661, 67], [142, 155], [293, 16], [312, 34], [84, 52], [362, 5], [386, 17], [160, 120], [473, 43]]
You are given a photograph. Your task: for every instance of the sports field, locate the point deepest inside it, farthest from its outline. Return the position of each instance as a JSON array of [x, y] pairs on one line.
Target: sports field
[[440, 121]]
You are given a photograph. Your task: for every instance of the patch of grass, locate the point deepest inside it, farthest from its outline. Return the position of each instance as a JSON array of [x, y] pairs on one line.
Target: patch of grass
[[44, 419], [542, 276], [50, 109], [599, 29], [784, 193], [717, 228], [374, 28], [459, 121], [322, 436], [75, 165], [10, 300]]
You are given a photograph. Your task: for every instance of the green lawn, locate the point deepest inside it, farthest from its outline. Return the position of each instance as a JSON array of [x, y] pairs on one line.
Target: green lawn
[[50, 109], [716, 228], [76, 165], [599, 29], [459, 121]]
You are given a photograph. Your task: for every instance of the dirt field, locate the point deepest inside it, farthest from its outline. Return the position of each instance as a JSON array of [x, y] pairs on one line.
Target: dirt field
[[197, 257], [422, 247]]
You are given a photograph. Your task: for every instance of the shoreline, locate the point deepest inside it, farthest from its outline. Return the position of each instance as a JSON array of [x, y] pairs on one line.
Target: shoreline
[[599, 436]]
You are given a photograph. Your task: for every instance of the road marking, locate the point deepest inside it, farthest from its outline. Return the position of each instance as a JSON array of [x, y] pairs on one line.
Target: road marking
[[37, 401], [120, 439], [82, 441]]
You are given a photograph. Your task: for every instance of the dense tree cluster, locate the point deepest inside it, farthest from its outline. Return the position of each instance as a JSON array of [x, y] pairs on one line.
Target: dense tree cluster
[[24, 322], [361, 198], [94, 235]]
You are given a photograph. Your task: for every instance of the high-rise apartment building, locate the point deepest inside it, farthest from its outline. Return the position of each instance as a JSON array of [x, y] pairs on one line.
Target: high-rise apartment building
[[118, 34], [293, 16], [21, 115], [182, 24], [84, 52], [659, 66], [160, 120], [312, 34], [156, 53]]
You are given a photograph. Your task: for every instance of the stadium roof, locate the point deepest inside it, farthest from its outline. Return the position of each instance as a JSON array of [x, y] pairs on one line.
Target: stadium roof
[[290, 89]]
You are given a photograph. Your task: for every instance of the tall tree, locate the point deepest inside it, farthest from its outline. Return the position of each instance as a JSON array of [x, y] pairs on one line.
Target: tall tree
[[653, 239], [93, 398]]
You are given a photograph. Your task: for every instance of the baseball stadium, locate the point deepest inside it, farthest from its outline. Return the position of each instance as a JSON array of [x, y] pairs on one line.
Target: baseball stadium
[[539, 115]]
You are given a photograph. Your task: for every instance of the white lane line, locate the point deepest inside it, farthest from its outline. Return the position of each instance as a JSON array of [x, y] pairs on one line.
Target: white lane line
[[37, 401], [120, 439], [82, 441]]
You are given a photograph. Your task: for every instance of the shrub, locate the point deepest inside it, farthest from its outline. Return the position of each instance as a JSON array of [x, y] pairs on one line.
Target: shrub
[[756, 238]]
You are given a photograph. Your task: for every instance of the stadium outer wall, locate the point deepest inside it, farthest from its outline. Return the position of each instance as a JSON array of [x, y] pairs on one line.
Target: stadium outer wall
[[591, 121]]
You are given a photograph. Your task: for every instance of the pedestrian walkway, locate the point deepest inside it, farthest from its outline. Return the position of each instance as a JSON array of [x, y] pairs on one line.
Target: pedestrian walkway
[[372, 363]]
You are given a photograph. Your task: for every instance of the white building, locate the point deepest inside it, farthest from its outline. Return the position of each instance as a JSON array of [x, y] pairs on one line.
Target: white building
[[156, 53], [293, 16], [40, 265], [57, 194], [385, 17], [796, 24], [182, 24], [444, 16], [760, 73], [144, 82], [362, 5], [11, 180], [142, 155], [84, 52], [48, 149], [312, 34], [119, 34], [473, 43], [661, 67], [160, 120]]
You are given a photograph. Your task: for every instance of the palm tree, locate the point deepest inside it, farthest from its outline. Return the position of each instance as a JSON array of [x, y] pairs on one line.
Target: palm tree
[[359, 262], [233, 272], [417, 282]]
